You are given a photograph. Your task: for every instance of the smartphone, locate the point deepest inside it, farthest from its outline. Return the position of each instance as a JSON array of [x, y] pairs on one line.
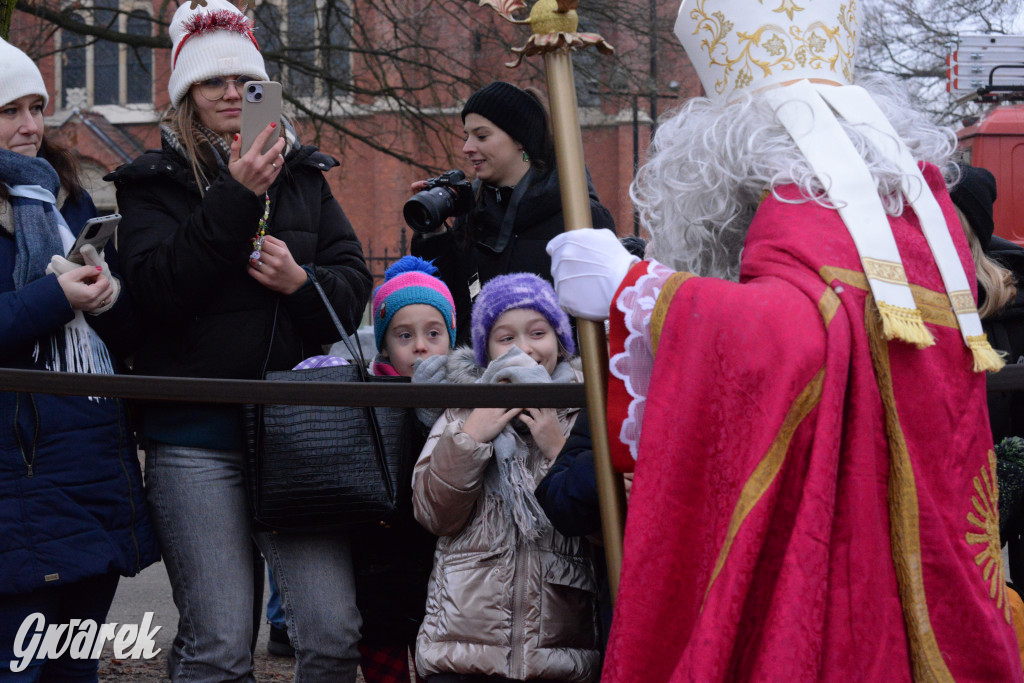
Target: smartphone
[[261, 105], [97, 232]]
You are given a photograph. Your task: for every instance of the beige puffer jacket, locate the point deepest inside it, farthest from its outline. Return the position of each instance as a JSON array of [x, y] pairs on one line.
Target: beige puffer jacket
[[527, 610]]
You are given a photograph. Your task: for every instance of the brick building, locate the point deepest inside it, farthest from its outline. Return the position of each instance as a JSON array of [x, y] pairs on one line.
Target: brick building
[[387, 110]]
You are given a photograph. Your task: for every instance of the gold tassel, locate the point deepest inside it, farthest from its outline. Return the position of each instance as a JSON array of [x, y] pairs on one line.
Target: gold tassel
[[905, 324], [986, 359]]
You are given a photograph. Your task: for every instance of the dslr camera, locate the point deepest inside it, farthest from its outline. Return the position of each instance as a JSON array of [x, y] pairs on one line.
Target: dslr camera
[[446, 196]]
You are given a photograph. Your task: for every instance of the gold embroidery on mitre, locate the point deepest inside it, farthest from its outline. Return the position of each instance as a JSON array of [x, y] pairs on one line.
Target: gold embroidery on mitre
[[771, 48], [886, 271], [990, 559], [963, 302], [788, 6]]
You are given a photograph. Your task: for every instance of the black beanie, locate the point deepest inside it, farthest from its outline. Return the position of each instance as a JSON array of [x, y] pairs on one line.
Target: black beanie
[[514, 110], [974, 195]]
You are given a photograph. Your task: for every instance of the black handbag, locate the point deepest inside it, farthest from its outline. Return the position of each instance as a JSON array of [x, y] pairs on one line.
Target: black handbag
[[322, 468]]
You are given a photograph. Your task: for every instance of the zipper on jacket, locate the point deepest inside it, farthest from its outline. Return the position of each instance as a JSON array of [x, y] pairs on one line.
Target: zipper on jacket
[[128, 479], [519, 579], [28, 460]]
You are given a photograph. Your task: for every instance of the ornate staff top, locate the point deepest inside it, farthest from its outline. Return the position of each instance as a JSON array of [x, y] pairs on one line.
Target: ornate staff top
[[553, 24]]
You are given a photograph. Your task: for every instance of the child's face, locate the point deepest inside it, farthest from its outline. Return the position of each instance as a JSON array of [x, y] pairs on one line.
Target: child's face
[[530, 331], [416, 331]]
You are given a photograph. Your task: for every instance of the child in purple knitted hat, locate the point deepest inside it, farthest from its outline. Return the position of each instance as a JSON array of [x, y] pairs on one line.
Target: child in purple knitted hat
[[491, 591]]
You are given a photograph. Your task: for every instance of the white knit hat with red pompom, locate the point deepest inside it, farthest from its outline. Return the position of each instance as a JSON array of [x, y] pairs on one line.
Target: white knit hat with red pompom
[[19, 75], [211, 38]]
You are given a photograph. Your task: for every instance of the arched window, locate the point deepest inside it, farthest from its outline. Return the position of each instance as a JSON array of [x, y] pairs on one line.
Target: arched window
[[140, 60], [95, 72], [106, 56], [72, 61], [312, 37], [268, 34], [337, 37], [301, 32]]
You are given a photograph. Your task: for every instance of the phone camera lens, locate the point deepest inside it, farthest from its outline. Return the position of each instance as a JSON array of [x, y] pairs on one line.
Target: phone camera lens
[[257, 96]]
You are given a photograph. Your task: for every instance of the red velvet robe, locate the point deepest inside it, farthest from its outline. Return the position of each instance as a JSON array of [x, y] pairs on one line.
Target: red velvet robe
[[811, 503]]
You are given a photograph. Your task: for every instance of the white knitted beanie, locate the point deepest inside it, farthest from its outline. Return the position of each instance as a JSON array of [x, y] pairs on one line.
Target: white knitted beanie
[[19, 75], [211, 38]]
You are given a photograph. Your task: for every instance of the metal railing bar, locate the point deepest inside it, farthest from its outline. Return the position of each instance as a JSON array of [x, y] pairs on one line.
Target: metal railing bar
[[295, 393]]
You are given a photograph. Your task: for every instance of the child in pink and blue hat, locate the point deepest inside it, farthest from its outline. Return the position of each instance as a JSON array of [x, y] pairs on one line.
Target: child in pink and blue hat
[[413, 317]]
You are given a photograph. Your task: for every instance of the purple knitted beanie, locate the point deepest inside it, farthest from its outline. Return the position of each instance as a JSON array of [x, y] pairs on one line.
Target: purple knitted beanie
[[517, 290]]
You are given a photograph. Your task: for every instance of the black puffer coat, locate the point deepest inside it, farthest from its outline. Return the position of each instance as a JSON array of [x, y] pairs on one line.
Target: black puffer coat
[[185, 259], [490, 241], [1005, 332]]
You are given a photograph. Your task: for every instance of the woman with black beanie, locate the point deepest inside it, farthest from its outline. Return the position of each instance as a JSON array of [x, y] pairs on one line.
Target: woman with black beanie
[[518, 205]]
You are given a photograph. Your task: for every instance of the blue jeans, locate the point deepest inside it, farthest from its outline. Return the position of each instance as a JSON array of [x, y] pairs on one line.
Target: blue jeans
[[86, 599], [198, 502], [275, 610]]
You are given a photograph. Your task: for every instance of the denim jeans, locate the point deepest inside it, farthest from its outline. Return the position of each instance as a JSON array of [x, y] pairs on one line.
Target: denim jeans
[[198, 502], [275, 610], [86, 599]]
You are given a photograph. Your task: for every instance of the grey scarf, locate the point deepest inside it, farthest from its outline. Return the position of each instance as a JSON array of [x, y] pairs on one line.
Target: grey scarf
[[512, 479], [33, 186], [36, 235]]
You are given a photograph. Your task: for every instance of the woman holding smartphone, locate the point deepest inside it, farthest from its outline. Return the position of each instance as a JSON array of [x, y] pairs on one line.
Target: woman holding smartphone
[[72, 516], [219, 248]]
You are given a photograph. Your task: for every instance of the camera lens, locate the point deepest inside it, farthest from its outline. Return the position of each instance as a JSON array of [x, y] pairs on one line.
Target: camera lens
[[426, 210], [257, 96]]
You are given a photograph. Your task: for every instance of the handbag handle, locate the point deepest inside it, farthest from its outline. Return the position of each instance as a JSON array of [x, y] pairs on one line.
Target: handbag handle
[[357, 355]]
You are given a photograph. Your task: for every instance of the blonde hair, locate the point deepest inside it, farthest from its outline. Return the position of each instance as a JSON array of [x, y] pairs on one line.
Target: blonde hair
[[996, 280], [182, 120]]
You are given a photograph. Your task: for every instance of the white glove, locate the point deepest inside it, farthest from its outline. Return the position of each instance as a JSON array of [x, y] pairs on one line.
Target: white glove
[[60, 265], [588, 266], [93, 258]]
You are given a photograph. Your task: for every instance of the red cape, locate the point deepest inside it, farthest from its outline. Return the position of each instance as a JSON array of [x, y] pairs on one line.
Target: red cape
[[805, 507]]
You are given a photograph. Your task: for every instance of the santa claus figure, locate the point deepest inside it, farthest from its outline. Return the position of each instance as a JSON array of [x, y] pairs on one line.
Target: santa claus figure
[[798, 374]]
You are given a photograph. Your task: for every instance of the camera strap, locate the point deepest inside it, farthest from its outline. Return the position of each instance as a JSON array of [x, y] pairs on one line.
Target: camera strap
[[509, 220]]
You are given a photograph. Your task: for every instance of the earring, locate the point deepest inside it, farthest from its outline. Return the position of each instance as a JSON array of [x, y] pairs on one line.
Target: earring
[[526, 157]]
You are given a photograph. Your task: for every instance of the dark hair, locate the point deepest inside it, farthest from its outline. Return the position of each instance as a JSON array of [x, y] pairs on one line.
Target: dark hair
[[546, 159], [64, 163]]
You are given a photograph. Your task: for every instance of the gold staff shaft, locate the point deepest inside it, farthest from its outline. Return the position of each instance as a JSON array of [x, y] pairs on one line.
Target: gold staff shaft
[[593, 345]]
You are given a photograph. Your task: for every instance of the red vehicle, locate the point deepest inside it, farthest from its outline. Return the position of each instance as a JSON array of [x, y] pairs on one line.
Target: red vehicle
[[990, 69]]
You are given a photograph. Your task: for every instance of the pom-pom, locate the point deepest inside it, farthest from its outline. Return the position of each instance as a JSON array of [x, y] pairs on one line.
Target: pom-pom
[[410, 264]]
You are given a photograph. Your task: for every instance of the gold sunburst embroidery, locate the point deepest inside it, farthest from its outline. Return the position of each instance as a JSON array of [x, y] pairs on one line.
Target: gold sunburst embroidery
[[990, 559]]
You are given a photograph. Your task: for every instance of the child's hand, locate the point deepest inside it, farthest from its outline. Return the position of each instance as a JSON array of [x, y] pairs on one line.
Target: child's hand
[[483, 424], [627, 482], [546, 430]]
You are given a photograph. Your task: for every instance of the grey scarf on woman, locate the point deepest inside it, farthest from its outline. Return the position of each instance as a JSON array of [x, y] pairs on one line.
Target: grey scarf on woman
[[33, 185], [512, 480]]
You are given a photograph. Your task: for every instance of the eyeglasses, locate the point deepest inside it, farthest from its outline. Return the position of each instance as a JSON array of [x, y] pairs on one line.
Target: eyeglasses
[[215, 88]]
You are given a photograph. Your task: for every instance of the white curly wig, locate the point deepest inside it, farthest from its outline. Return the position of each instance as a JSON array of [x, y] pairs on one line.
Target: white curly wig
[[710, 163]]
